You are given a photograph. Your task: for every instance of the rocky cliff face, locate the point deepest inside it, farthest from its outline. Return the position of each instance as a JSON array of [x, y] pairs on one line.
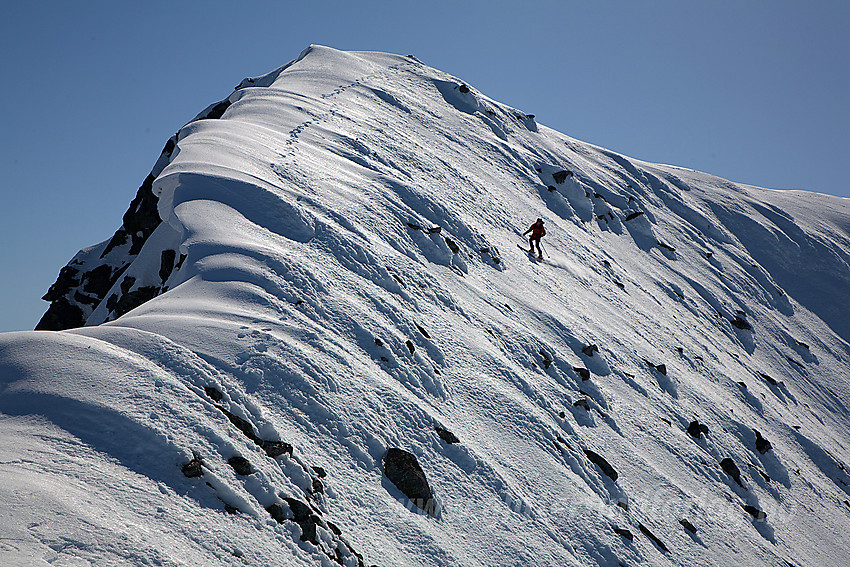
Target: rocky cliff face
[[93, 277]]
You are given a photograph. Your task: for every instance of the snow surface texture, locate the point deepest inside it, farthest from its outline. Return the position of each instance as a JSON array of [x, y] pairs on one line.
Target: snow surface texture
[[298, 290]]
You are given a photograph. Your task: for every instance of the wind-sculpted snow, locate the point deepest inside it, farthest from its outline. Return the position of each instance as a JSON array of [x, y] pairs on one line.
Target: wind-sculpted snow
[[332, 276]]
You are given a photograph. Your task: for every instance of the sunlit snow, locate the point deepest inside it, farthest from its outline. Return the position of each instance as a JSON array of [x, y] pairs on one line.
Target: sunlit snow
[[349, 279]]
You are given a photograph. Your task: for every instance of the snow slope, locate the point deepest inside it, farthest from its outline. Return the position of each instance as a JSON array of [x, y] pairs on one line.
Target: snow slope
[[328, 258]]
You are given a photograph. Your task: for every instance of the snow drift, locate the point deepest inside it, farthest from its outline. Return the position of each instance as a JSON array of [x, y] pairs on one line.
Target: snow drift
[[314, 341]]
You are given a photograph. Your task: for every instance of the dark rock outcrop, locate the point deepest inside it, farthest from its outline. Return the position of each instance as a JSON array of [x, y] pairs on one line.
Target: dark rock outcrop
[[547, 361], [452, 245], [213, 393], [133, 299], [688, 526], [240, 465], [166, 264], [589, 350], [275, 448], [599, 461], [193, 468], [755, 512], [446, 435], [561, 176], [762, 444], [403, 470], [61, 315], [697, 429], [730, 468], [584, 373], [645, 531]]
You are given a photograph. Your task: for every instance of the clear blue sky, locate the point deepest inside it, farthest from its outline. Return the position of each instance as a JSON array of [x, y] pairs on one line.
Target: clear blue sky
[[757, 92]]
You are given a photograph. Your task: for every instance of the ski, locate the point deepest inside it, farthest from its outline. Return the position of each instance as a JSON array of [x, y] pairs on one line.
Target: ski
[[529, 252]]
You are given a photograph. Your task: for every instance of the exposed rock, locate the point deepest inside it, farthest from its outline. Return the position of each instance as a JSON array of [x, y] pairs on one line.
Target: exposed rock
[[660, 368], [213, 393], [166, 264], [688, 526], [61, 315], [66, 281], [403, 470], [306, 519], [242, 425], [634, 215], [730, 468], [446, 435], [217, 111], [547, 362], [424, 332], [762, 444], [597, 459], [193, 468], [276, 512], [768, 379], [130, 301], [240, 465], [624, 533], [142, 218], [98, 281], [561, 176], [651, 536], [276, 448], [463, 88], [452, 245], [582, 403], [584, 373], [410, 347], [697, 429], [589, 350], [755, 512], [85, 299], [127, 283], [740, 323], [320, 472]]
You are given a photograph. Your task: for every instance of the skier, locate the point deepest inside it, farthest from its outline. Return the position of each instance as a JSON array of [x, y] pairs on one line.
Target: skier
[[537, 232]]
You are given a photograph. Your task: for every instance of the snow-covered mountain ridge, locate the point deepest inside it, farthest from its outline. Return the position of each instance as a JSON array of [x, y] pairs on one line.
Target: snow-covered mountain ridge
[[323, 268]]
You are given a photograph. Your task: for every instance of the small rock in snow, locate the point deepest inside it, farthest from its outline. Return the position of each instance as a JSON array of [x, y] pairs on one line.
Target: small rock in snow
[[193, 468], [403, 470], [240, 464], [446, 435]]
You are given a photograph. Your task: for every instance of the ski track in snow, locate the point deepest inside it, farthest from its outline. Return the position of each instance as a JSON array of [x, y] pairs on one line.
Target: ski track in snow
[[345, 277]]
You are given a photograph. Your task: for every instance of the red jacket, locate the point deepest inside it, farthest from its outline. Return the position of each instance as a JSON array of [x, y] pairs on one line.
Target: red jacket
[[536, 230]]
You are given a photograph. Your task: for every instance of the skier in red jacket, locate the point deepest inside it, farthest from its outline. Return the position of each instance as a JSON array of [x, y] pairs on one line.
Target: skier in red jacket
[[537, 232]]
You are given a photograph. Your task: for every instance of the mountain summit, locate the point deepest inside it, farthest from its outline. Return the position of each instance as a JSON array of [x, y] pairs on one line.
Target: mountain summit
[[314, 341]]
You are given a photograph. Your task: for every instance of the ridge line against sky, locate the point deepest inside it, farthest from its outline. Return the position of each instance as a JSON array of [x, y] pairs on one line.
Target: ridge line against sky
[[754, 92]]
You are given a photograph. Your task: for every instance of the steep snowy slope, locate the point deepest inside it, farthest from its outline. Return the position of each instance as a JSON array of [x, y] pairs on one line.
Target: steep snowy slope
[[323, 268]]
